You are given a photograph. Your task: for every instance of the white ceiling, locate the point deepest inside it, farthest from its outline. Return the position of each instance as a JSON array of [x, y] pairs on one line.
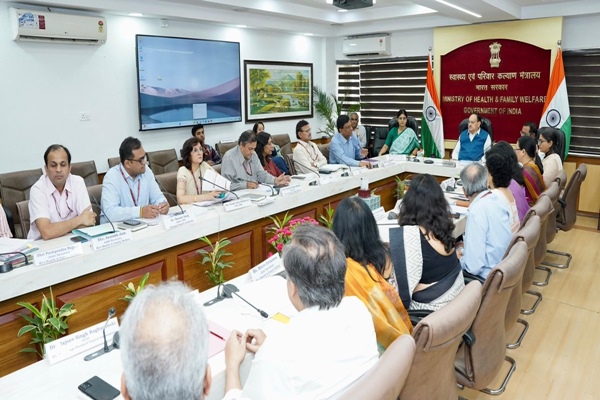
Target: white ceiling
[[321, 19]]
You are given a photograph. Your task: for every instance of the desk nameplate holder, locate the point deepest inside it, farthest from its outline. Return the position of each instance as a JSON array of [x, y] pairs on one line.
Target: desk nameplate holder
[[58, 254], [270, 266], [175, 220], [112, 239], [79, 342], [237, 204], [289, 190]]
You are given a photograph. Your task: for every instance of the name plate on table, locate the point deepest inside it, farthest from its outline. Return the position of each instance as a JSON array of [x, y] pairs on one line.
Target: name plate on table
[[104, 242], [270, 266], [78, 342], [237, 204], [379, 213], [174, 220], [356, 171], [58, 254], [449, 183], [289, 190]]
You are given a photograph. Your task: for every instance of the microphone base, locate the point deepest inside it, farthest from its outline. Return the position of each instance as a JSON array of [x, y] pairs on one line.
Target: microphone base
[[98, 353], [178, 213]]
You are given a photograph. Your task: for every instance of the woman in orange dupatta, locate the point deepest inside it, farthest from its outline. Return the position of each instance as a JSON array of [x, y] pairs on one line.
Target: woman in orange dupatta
[[368, 268], [533, 169]]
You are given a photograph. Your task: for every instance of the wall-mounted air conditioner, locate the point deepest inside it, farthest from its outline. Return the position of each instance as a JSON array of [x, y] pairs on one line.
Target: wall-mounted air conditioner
[[377, 45], [44, 26]]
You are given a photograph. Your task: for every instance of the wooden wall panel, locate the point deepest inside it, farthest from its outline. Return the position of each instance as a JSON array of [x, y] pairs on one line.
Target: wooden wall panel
[[589, 199], [93, 302], [10, 345]]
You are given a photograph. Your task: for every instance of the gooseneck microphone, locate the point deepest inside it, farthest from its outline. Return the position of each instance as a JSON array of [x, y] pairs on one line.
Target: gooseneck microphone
[[7, 265], [106, 348], [171, 196], [103, 213], [343, 163], [220, 187], [229, 290]]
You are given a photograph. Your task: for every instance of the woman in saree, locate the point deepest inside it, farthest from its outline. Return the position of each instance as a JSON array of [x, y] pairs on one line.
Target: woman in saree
[[369, 268], [401, 139], [533, 169], [423, 252]]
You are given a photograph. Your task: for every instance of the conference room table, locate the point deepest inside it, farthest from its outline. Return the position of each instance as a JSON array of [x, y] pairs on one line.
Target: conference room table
[[61, 380], [92, 279]]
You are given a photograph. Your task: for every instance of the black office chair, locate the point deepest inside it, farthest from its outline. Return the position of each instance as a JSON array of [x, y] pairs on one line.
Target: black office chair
[[486, 125], [381, 133]]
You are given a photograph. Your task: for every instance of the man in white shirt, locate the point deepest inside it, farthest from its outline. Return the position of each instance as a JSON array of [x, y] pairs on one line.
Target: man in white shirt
[[322, 350], [59, 202], [358, 130], [307, 156]]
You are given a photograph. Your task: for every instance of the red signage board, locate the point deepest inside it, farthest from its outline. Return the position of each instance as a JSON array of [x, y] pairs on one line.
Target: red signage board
[[503, 80]]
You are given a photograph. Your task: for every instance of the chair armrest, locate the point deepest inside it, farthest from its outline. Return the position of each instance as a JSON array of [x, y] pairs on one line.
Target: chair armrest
[[417, 315], [469, 338]]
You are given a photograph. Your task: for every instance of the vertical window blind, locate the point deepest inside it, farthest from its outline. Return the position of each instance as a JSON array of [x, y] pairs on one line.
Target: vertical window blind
[[382, 87], [582, 73]]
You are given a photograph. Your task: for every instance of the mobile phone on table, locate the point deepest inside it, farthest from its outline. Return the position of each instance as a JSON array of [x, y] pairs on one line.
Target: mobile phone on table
[[131, 222], [98, 389], [78, 239]]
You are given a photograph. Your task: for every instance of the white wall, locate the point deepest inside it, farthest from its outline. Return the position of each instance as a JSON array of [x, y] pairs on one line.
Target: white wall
[[46, 86]]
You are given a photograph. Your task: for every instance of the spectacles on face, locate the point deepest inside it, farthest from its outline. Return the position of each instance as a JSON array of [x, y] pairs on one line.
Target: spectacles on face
[[141, 160], [305, 131], [353, 119], [523, 133], [542, 141]]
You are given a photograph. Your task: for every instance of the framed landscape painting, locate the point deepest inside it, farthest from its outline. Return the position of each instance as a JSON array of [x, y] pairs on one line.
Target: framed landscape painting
[[278, 90]]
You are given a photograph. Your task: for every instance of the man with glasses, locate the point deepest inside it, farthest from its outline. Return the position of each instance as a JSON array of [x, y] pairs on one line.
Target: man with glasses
[[472, 142], [307, 156], [358, 130], [242, 167], [129, 189], [59, 202], [345, 147], [530, 129]]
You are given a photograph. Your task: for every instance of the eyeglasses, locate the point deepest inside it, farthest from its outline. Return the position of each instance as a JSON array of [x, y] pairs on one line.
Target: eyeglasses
[[305, 131], [542, 141], [524, 133], [141, 160]]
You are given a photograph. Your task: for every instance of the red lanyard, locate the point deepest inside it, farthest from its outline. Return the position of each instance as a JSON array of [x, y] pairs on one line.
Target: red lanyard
[[66, 202], [135, 202], [244, 165], [198, 190], [309, 155]]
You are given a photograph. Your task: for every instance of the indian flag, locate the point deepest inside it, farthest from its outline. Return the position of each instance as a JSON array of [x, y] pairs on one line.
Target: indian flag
[[556, 110], [432, 127]]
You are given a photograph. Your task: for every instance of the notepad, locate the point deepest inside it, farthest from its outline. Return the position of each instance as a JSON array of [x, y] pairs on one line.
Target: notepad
[[93, 231]]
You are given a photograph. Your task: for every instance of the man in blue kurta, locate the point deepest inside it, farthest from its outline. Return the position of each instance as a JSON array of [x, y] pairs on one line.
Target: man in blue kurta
[[472, 142]]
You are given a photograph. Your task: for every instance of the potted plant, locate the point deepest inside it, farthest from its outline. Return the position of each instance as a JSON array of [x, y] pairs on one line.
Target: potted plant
[[213, 259], [329, 108], [400, 188], [327, 219], [284, 234], [131, 289], [46, 325]]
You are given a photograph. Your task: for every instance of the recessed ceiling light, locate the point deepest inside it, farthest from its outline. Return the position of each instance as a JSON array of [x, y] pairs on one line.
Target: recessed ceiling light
[[136, 14], [241, 26], [458, 8], [329, 1], [308, 34], [342, 10]]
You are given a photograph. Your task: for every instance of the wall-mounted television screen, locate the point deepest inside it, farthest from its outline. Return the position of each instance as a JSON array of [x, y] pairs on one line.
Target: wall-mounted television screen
[[183, 82]]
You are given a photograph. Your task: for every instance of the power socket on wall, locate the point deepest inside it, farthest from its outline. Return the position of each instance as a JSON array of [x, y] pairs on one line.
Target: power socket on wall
[[85, 116]]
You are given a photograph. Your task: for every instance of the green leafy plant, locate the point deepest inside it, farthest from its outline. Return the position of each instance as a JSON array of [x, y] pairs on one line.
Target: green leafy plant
[[328, 107], [280, 223], [400, 188], [132, 290], [326, 219], [213, 259], [47, 324]]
